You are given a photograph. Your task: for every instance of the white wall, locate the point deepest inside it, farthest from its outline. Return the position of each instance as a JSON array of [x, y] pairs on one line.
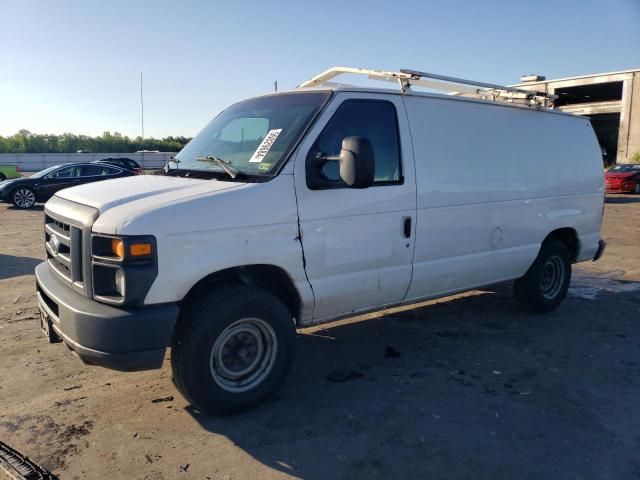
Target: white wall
[[33, 162]]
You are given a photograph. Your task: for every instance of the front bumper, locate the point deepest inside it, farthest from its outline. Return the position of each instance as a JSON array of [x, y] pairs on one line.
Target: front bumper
[[619, 187], [618, 190], [122, 339]]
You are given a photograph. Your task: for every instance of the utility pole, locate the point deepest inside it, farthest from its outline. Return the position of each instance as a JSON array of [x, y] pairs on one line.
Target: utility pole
[[275, 85], [141, 106]]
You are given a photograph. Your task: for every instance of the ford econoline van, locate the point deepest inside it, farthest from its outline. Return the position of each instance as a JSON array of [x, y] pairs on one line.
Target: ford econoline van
[[302, 207]]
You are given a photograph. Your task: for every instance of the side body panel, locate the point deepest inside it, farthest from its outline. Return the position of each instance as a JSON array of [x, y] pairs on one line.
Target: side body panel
[[493, 182]]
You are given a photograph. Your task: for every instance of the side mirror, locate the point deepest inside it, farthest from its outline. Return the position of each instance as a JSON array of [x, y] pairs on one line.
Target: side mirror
[[357, 165]]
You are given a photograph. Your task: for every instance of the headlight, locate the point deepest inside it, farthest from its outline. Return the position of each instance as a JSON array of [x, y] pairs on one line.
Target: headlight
[[123, 268]]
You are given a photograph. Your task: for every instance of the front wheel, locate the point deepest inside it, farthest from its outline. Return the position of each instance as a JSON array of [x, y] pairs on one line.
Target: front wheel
[[23, 197], [233, 349], [636, 189], [545, 284]]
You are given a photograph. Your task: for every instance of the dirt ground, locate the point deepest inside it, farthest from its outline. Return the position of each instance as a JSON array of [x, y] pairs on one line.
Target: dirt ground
[[479, 388]]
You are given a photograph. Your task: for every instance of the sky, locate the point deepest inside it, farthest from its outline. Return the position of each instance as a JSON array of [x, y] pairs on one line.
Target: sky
[[74, 66]]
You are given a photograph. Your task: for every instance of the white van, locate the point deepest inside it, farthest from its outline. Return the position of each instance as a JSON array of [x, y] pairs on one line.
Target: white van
[[301, 207]]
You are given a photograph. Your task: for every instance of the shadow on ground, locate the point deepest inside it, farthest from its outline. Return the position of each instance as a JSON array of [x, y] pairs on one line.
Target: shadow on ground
[[13, 266], [480, 390], [35, 208]]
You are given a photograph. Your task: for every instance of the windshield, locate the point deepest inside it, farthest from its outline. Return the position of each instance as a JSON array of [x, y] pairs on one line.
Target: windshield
[[42, 173], [625, 168], [252, 137]]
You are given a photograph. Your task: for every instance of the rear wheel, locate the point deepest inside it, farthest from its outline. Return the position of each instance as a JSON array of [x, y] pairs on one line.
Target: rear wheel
[[2, 177], [545, 284], [636, 189], [233, 349], [23, 197]]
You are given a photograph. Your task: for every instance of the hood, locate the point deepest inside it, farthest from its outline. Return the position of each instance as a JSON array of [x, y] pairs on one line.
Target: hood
[[142, 189], [619, 174]]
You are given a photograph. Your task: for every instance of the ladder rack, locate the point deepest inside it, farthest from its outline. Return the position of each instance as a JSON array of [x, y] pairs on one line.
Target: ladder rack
[[407, 78]]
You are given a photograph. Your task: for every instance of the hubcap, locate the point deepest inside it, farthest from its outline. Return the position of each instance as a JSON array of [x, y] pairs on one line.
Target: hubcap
[[552, 277], [243, 355], [24, 198]]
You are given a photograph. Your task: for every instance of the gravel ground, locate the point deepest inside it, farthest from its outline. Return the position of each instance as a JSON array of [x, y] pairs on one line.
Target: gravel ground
[[464, 387]]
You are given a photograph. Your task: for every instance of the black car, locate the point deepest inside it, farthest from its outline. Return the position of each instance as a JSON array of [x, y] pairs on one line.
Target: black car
[[26, 191], [126, 163]]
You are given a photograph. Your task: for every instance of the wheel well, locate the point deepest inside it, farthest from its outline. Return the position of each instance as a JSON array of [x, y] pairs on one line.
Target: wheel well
[[268, 277], [569, 237]]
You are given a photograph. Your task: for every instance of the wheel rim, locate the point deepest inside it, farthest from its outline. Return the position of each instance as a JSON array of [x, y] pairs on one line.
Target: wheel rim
[[552, 277], [243, 355], [24, 198]]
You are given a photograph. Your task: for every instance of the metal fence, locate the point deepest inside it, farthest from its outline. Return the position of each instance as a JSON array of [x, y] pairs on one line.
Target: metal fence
[[33, 162]]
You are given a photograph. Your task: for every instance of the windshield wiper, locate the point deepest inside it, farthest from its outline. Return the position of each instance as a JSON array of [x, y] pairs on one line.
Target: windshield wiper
[[226, 165]]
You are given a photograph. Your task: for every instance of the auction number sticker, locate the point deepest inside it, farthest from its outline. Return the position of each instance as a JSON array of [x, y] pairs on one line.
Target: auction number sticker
[[265, 145]]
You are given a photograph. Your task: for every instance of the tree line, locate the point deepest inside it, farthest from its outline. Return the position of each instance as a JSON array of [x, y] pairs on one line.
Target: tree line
[[26, 142]]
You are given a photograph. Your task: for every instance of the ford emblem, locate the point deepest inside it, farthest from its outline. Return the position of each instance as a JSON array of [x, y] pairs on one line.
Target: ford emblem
[[54, 243]]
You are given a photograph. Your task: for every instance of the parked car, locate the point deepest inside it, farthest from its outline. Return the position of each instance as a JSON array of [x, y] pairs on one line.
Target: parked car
[[302, 207], [8, 172], [126, 163], [623, 178], [24, 192]]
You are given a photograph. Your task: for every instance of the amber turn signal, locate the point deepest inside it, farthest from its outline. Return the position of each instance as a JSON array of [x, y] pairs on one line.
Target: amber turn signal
[[117, 247], [139, 249]]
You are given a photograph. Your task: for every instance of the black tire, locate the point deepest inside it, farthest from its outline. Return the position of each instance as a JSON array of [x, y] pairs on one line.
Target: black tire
[[545, 284], [23, 197], [636, 190], [201, 335], [2, 177]]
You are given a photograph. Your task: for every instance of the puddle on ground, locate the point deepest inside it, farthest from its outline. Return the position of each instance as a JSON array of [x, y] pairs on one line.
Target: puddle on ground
[[589, 286]]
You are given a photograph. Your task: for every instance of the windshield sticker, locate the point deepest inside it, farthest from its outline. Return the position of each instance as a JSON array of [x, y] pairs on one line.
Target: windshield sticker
[[265, 145], [264, 166]]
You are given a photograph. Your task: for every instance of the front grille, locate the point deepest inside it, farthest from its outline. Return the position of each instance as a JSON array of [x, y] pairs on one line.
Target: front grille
[[63, 243]]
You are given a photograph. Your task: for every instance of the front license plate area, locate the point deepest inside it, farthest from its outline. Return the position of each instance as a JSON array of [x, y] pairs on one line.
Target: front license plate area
[[47, 329]]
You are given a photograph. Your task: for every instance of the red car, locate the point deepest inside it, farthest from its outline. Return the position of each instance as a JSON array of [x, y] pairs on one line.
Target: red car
[[623, 178]]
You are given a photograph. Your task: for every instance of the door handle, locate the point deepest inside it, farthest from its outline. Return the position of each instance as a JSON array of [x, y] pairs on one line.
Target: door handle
[[407, 227]]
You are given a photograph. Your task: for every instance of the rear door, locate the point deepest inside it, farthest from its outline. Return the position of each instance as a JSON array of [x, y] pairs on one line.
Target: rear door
[[358, 243]]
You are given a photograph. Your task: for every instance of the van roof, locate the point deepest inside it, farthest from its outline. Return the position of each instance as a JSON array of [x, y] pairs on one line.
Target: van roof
[[338, 87]]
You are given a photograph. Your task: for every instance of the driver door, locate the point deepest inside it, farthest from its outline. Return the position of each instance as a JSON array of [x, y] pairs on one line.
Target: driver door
[[65, 177], [358, 243]]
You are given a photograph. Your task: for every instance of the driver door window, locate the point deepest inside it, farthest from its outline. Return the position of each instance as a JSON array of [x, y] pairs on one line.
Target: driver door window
[[372, 119], [68, 172]]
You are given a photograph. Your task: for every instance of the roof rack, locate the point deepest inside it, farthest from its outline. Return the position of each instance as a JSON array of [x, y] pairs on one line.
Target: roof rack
[[407, 78]]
